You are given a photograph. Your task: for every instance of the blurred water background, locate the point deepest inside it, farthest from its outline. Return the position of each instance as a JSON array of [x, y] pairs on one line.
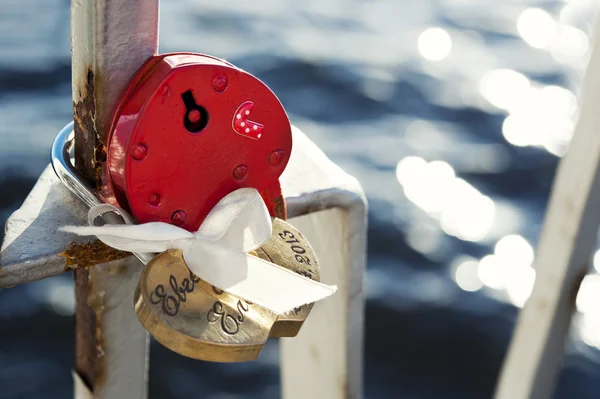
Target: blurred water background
[[453, 115]]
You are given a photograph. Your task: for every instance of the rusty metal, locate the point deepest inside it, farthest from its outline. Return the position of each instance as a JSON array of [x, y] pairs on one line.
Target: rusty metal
[[90, 254], [73, 180], [111, 39], [87, 138], [87, 355]]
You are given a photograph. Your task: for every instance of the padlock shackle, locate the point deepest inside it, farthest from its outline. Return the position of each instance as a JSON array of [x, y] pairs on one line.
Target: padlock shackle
[[60, 158]]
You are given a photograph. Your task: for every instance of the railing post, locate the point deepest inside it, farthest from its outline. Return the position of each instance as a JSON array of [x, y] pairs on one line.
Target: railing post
[[328, 206], [110, 39], [327, 352], [563, 255]]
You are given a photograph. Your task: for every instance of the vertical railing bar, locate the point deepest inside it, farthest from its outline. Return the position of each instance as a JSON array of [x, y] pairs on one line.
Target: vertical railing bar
[[110, 40], [562, 260]]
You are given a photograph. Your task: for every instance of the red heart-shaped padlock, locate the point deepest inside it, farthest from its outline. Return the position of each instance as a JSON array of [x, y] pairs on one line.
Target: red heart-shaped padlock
[[189, 130]]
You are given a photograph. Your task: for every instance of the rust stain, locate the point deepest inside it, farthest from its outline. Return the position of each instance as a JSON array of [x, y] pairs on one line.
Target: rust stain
[[90, 151], [89, 353], [97, 307], [90, 157], [314, 353], [117, 270], [100, 358], [344, 388], [94, 253], [280, 208], [86, 362], [99, 161]]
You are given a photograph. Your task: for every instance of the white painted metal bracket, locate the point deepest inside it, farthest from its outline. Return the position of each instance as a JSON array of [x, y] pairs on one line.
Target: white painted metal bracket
[[327, 205]]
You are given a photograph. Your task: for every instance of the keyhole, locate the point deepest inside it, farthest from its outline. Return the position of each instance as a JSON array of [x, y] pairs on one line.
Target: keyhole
[[196, 116]]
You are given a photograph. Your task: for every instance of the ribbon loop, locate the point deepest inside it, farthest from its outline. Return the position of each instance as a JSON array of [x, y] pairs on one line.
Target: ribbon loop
[[218, 252], [239, 221]]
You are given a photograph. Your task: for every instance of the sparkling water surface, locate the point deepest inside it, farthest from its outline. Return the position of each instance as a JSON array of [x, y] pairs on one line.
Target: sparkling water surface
[[452, 114]]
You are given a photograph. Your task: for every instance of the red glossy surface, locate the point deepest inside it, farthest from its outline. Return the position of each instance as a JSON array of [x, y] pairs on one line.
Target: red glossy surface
[[243, 125], [189, 172]]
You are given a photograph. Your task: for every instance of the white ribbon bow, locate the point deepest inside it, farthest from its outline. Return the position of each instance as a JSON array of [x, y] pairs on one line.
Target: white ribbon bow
[[218, 252]]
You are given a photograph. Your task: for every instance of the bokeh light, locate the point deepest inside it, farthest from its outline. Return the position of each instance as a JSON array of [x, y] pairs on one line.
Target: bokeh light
[[466, 276], [504, 87], [509, 269], [462, 210], [570, 44], [520, 285], [435, 44], [537, 28], [596, 261], [587, 303]]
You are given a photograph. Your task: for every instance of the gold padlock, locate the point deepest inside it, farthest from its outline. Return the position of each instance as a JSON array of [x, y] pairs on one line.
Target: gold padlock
[[288, 248], [195, 319], [192, 318]]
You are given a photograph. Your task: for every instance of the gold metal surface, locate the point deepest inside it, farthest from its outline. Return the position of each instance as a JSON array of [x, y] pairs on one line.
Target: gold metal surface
[[288, 248], [195, 319]]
